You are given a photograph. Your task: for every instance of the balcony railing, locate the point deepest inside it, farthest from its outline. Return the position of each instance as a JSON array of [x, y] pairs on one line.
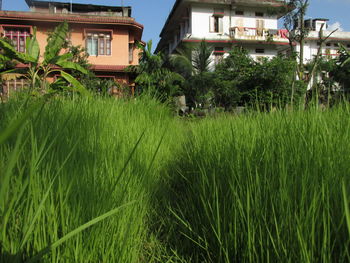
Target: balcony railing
[[259, 34]]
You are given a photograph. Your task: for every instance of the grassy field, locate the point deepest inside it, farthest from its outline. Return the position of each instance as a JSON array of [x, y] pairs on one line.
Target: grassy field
[[99, 180]]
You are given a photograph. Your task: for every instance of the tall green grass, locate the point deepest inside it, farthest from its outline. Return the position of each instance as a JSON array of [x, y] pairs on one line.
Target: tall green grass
[[262, 188], [73, 161], [100, 180]]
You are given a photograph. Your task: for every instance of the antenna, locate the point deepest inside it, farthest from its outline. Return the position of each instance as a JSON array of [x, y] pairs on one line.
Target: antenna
[[121, 1], [0, 5], [71, 6]]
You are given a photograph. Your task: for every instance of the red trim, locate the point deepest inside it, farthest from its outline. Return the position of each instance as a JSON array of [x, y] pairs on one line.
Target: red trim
[[219, 51], [235, 41], [109, 68]]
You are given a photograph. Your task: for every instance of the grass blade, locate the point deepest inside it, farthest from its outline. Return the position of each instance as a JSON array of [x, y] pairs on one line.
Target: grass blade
[[77, 231]]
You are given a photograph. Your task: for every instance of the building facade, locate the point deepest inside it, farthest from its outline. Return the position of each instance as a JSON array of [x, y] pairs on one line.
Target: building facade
[[108, 33], [331, 46], [252, 24]]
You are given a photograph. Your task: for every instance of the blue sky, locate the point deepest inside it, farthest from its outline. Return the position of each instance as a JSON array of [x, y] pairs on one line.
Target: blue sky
[[153, 13]]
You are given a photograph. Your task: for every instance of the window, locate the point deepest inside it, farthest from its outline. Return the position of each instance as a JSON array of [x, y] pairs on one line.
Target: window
[[260, 51], [98, 44], [131, 52], [218, 55], [216, 24], [18, 37], [348, 45], [260, 25], [239, 12], [328, 44], [260, 14]]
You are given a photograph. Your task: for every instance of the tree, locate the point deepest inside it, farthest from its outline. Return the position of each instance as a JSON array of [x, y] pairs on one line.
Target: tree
[[153, 77], [341, 71], [193, 63], [294, 22], [38, 70], [265, 83]]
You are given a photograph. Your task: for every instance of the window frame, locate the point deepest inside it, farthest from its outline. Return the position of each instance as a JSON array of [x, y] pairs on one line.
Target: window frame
[[29, 29], [131, 52], [216, 21], [99, 35], [260, 51]]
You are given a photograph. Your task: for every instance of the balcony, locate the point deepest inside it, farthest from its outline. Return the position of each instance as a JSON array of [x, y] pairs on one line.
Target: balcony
[[259, 34]]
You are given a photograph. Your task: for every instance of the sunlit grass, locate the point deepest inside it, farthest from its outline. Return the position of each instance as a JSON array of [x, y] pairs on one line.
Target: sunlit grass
[[73, 161], [263, 188], [100, 180]]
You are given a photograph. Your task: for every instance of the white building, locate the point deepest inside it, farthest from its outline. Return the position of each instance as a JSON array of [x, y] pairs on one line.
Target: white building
[[252, 24], [313, 43]]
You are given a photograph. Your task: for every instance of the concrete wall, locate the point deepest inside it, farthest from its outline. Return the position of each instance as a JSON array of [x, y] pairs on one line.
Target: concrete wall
[[200, 17], [329, 48], [119, 44]]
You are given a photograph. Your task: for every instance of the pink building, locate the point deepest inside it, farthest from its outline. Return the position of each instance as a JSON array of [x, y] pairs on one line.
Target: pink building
[[109, 34]]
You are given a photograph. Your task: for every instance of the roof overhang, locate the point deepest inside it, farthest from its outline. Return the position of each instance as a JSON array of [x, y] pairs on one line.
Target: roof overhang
[[36, 18], [79, 7]]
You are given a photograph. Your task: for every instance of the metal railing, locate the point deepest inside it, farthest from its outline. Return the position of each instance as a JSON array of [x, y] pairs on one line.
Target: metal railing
[[259, 34]]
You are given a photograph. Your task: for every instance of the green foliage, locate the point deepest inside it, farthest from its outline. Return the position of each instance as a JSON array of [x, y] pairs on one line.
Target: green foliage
[[198, 89], [192, 62], [341, 70], [153, 77], [55, 42], [201, 57], [226, 93], [266, 83]]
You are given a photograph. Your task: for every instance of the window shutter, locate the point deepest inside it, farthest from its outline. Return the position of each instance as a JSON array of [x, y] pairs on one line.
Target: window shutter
[[260, 23], [211, 24], [221, 25]]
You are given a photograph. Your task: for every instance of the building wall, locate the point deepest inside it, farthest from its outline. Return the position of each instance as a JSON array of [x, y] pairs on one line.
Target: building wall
[[249, 19], [330, 48], [200, 28], [119, 43], [200, 17], [197, 27]]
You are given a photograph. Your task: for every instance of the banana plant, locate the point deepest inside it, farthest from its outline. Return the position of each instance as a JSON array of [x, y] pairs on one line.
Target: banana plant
[[39, 68]]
